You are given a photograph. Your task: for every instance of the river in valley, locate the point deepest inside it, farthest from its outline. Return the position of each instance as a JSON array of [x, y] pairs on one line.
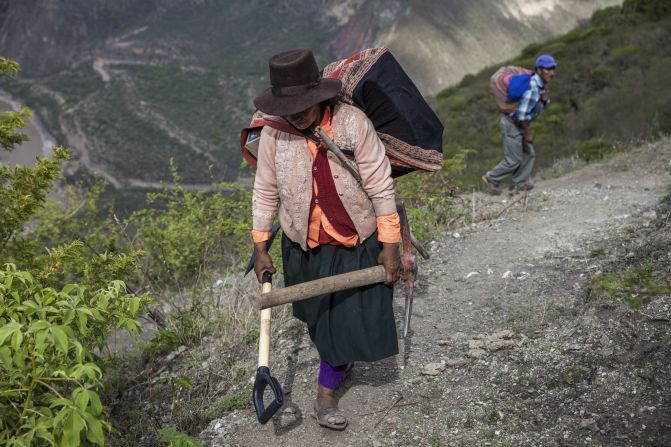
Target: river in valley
[[25, 154]]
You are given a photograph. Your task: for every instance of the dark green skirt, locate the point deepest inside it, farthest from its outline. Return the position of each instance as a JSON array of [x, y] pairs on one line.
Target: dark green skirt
[[352, 325]]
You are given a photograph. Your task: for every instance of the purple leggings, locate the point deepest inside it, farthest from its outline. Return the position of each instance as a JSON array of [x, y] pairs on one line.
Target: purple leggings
[[331, 376]]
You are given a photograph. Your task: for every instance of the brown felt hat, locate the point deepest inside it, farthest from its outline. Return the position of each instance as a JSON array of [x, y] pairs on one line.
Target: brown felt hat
[[296, 84]]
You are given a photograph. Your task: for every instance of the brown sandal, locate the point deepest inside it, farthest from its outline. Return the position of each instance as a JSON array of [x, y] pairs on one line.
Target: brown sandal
[[330, 417]]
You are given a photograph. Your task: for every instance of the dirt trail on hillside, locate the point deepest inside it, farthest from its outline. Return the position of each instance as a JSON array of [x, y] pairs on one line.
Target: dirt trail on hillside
[[521, 353]]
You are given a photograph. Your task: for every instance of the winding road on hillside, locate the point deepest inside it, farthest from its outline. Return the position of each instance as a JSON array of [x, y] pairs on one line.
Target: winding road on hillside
[[507, 346]]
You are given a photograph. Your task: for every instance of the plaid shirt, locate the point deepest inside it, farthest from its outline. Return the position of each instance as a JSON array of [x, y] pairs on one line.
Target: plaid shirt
[[530, 104]]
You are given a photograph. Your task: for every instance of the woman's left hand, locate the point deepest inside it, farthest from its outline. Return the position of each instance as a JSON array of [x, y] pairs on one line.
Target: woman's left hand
[[391, 260]]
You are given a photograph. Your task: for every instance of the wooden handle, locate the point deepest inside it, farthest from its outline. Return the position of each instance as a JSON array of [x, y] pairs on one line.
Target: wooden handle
[[338, 153], [330, 284], [264, 331]]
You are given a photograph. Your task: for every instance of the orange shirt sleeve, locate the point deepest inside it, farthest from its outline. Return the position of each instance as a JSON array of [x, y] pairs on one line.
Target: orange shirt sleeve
[[389, 228], [260, 236]]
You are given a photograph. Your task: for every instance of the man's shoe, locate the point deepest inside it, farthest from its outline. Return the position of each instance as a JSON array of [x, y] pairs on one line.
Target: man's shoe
[[524, 187], [492, 188]]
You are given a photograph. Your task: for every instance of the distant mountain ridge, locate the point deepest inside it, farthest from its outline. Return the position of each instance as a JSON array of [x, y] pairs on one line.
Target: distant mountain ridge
[[130, 84]]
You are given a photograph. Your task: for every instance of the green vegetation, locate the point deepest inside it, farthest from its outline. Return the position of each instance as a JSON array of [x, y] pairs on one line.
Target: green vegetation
[[236, 401], [428, 212], [50, 378], [179, 90], [68, 271], [611, 87], [596, 252], [637, 285], [175, 438], [56, 311]]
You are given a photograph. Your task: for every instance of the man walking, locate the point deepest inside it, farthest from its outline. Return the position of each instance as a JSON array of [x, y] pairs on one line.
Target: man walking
[[518, 138]]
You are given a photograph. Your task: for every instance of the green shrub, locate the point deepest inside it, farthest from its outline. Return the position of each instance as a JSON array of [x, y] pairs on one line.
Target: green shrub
[[428, 212], [51, 323], [175, 438], [636, 285], [601, 77], [655, 9], [446, 93], [580, 34], [186, 232], [455, 102], [624, 53], [23, 190], [594, 149], [50, 379], [235, 401], [531, 51]]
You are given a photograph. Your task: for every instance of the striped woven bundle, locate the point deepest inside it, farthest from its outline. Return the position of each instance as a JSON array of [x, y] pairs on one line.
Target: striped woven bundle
[[373, 81], [411, 132], [499, 82]]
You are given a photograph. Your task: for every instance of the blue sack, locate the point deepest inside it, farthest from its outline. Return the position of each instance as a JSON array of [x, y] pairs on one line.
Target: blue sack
[[517, 86]]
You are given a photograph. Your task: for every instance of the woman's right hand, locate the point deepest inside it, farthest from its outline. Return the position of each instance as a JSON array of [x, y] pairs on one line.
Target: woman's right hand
[[262, 261]]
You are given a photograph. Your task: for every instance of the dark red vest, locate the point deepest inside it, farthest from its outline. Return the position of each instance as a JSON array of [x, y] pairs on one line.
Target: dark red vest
[[328, 199]]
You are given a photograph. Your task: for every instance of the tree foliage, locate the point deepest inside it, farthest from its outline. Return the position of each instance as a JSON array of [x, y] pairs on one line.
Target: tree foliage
[[51, 322], [50, 376], [186, 233]]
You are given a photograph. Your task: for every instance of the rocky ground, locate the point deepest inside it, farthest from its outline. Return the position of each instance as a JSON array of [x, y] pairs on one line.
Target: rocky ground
[[513, 341]]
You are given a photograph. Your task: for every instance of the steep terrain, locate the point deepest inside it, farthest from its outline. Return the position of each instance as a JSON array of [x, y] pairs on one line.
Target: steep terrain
[[611, 87], [131, 84], [515, 339], [511, 342], [440, 45]]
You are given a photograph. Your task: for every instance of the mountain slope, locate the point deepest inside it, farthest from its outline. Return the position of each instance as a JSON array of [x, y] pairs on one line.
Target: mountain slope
[[611, 87], [131, 84], [440, 45]]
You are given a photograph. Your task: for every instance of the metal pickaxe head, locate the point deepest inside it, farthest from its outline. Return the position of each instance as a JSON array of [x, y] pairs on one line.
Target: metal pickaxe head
[[408, 265]]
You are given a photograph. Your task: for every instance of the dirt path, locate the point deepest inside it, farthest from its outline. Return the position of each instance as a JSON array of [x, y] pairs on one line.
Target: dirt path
[[527, 359]]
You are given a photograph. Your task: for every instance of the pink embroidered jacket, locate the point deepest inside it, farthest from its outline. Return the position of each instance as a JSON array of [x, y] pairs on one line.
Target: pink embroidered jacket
[[284, 177]]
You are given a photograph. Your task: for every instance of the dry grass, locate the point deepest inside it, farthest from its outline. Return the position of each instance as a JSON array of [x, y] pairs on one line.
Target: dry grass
[[195, 370]]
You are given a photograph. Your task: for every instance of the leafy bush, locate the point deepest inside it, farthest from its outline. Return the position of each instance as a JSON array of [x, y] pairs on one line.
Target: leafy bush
[[186, 233], [50, 327], [594, 149], [428, 212], [601, 77], [655, 9], [175, 438], [24, 189], [50, 379]]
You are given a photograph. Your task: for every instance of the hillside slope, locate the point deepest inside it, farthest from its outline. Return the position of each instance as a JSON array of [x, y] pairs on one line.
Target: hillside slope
[[512, 342], [611, 87], [131, 84], [559, 364]]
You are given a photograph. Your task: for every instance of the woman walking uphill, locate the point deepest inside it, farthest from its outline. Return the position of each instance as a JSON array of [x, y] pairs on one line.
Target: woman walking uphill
[[331, 223]]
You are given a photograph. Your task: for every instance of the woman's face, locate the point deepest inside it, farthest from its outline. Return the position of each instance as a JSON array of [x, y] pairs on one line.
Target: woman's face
[[305, 119]]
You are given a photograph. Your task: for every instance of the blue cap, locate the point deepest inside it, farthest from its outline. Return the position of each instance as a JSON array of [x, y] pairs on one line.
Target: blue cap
[[546, 61]]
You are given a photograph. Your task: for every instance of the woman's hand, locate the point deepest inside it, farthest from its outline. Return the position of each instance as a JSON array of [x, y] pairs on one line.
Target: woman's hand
[[391, 260], [262, 261]]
